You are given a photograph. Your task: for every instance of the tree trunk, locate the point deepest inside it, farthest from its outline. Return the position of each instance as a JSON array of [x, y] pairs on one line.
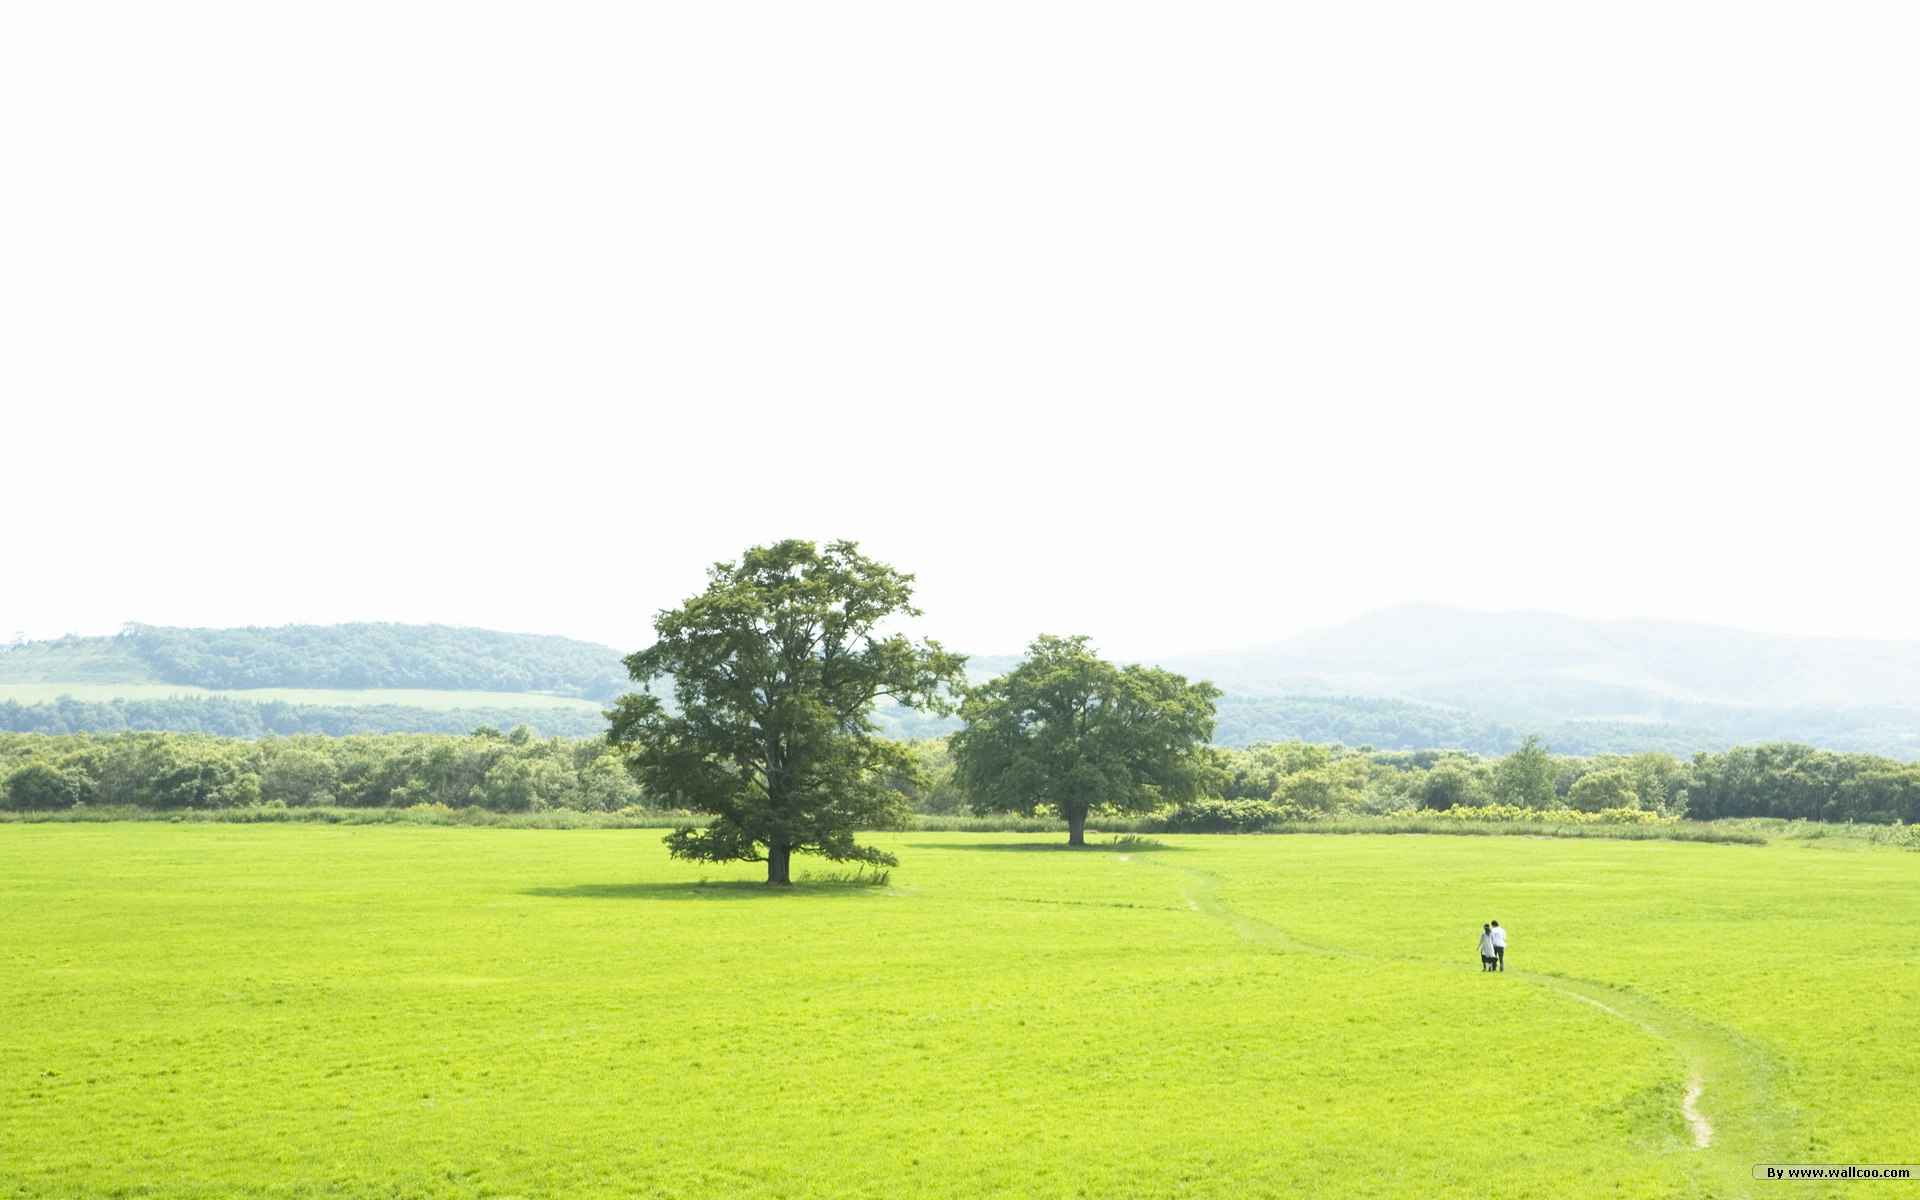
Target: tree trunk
[[1077, 828], [778, 859]]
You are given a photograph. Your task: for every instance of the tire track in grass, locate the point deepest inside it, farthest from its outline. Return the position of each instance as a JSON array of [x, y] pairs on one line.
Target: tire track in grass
[[1726, 1075], [1702, 1130]]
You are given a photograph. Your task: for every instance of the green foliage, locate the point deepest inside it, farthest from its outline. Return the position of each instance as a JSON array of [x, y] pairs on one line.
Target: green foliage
[[1300, 781], [1652, 780], [1660, 782], [1526, 776], [1562, 816], [1264, 784], [1288, 782], [775, 671], [1328, 785], [39, 786], [931, 786], [298, 775], [337, 679], [202, 775], [132, 771], [516, 784], [1219, 814], [1907, 837], [1067, 731], [376, 655], [1609, 787], [1457, 782], [226, 716], [1799, 782]]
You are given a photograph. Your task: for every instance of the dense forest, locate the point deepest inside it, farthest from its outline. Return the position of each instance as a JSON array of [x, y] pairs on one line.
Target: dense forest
[[1252, 788]]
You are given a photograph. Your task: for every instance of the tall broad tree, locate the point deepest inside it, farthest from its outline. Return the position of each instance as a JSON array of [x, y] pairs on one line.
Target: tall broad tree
[[1068, 731], [774, 671], [1526, 776]]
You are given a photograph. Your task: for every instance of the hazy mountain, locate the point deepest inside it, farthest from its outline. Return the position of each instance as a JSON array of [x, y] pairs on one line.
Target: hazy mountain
[[1535, 670]]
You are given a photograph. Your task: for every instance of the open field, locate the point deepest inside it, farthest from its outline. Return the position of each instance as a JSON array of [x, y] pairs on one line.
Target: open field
[[300, 1011], [42, 693]]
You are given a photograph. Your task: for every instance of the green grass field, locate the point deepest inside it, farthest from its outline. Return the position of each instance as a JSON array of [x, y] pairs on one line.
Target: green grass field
[[41, 693], [300, 1011]]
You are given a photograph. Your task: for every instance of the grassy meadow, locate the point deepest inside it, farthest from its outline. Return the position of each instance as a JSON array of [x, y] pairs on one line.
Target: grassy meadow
[[397, 1011]]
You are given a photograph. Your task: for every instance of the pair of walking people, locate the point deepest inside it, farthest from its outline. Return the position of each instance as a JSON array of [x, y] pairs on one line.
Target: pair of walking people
[[1493, 947]]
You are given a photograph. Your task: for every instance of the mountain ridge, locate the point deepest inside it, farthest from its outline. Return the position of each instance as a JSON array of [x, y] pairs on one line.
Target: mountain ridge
[[1532, 668]]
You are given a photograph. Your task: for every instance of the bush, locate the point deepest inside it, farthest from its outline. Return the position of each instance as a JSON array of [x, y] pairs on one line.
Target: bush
[[1215, 814], [1896, 834], [40, 787]]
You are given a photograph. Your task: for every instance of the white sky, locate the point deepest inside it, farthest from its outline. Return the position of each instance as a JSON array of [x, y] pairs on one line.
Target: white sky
[[1181, 325]]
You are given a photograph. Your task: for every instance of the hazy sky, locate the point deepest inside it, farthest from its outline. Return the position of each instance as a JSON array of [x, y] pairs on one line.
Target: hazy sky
[[1181, 325]]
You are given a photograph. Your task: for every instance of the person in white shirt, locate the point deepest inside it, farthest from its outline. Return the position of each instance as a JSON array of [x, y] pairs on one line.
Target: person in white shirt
[[1486, 948], [1499, 936]]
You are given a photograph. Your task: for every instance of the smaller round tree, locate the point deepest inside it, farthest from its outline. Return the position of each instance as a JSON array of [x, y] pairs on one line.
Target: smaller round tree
[[1068, 731]]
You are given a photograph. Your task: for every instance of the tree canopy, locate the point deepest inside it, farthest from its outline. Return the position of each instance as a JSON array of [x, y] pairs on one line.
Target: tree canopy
[[1070, 731], [1525, 777], [775, 670]]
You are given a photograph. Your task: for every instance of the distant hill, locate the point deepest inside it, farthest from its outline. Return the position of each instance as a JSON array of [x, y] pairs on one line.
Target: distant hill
[[1583, 682], [333, 679], [363, 655], [1411, 677]]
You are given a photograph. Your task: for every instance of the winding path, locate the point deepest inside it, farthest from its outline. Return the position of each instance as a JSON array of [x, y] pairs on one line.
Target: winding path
[[1721, 1069]]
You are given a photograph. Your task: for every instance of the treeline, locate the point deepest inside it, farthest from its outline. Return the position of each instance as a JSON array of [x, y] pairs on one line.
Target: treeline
[[1252, 788], [1286, 782], [487, 769], [226, 717], [360, 655]]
